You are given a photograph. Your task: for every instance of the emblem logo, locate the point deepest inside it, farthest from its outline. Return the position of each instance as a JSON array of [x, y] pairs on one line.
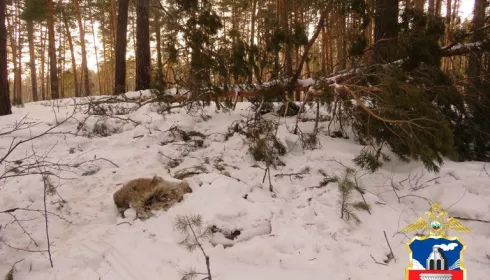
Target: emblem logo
[[436, 256]]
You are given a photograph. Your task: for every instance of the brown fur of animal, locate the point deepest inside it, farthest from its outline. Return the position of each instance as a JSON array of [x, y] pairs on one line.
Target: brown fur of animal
[[146, 194]]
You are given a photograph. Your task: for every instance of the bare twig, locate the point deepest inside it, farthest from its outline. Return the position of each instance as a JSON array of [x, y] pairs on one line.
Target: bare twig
[[485, 169], [46, 183], [297, 175], [376, 262], [472, 220], [389, 246], [418, 196]]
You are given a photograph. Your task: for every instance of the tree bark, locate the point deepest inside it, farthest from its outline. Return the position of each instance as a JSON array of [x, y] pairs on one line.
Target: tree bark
[[61, 54], [19, 55], [13, 47], [419, 5], [85, 73], [143, 59], [32, 58], [53, 71], [43, 60], [5, 106], [114, 20], [121, 42], [289, 44]]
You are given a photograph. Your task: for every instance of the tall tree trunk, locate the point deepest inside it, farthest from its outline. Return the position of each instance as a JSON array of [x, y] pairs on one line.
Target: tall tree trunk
[[385, 30], [158, 38], [96, 52], [419, 5], [475, 58], [105, 66], [13, 47], [32, 59], [289, 44], [143, 59], [122, 29], [478, 99], [114, 20], [72, 53], [251, 57], [53, 72], [5, 106], [324, 52], [19, 55], [43, 60], [447, 37], [432, 8], [85, 73], [133, 26], [61, 53], [439, 7]]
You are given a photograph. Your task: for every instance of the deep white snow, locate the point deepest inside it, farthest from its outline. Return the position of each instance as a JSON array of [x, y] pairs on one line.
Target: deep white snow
[[294, 234]]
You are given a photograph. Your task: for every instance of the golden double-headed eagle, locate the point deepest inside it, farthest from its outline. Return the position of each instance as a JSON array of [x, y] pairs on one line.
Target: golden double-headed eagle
[[437, 223]]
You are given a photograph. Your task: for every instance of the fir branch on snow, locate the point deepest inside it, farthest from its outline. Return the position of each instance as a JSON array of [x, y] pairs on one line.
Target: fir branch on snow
[[192, 228], [347, 206]]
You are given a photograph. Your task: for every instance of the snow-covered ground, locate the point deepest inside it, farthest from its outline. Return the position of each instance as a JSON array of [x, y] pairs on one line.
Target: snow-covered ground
[[297, 233]]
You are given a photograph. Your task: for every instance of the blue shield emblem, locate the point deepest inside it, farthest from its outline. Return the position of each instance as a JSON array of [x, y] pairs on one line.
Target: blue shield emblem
[[436, 256]]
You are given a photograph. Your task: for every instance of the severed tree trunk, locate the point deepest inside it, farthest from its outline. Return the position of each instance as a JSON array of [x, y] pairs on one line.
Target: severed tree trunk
[[53, 71], [85, 73], [72, 53], [121, 42], [5, 106], [32, 58], [143, 58]]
